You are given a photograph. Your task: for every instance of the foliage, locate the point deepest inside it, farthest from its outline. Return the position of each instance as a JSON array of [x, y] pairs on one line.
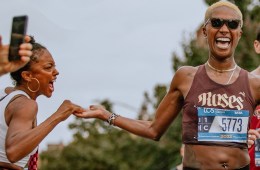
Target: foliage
[[97, 146]]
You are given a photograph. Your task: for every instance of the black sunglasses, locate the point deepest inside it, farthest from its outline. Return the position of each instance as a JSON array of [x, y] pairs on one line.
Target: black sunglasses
[[218, 23]]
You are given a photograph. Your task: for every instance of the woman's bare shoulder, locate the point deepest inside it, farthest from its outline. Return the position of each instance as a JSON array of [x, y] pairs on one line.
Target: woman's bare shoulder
[[184, 76], [184, 70]]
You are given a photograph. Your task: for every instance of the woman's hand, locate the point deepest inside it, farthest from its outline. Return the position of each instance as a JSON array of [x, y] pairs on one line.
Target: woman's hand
[[11, 66], [252, 136], [67, 108], [95, 111]]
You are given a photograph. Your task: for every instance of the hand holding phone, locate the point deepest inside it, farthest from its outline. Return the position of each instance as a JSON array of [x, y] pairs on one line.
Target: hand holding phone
[[18, 33]]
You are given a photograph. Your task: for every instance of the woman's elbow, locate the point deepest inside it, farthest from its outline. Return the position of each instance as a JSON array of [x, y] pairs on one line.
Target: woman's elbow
[[12, 155], [155, 136]]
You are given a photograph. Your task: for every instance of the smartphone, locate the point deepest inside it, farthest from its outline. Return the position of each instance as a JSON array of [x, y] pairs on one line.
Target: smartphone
[[19, 27]]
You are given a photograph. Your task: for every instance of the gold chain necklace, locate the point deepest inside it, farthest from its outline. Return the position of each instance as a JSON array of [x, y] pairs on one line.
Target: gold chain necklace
[[221, 71]]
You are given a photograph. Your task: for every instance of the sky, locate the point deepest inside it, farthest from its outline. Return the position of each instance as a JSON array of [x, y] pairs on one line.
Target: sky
[[104, 49]]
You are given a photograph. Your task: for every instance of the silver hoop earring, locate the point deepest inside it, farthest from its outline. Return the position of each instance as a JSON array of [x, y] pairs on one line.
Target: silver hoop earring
[[33, 91]]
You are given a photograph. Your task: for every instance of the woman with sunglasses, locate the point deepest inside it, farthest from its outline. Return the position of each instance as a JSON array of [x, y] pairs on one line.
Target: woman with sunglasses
[[217, 99], [19, 133]]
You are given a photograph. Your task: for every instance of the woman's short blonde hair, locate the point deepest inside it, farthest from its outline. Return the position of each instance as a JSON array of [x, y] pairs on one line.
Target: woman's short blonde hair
[[220, 4]]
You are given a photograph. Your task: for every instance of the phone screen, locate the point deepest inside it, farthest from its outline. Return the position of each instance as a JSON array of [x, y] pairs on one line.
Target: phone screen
[[19, 26]]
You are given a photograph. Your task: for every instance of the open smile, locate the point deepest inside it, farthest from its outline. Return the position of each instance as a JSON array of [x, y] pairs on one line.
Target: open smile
[[223, 42]]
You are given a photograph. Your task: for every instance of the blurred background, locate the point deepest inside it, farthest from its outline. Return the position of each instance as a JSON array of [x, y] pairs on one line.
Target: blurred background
[[122, 54]]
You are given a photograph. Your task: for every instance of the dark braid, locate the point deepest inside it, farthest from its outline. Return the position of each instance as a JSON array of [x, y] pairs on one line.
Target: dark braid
[[36, 50]]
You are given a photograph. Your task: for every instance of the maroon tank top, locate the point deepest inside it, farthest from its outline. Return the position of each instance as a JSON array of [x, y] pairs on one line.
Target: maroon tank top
[[205, 93]]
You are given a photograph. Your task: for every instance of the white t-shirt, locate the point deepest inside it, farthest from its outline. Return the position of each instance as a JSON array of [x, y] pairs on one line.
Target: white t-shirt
[[4, 100]]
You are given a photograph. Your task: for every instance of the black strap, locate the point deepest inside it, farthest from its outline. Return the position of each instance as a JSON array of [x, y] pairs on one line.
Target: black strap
[[3, 98]]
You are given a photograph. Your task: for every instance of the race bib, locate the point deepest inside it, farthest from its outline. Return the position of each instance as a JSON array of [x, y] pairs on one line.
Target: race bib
[[222, 125]]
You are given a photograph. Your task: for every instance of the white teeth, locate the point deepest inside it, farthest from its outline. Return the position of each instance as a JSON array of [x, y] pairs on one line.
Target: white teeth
[[223, 39], [223, 45], [223, 42]]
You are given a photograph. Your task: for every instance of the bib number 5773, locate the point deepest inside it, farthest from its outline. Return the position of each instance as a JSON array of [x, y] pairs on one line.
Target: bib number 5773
[[232, 124]]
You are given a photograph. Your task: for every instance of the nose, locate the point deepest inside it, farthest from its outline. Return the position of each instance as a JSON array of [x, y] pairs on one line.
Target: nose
[[224, 28], [56, 72]]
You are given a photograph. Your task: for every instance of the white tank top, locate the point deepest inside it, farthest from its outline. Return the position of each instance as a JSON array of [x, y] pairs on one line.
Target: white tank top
[[4, 100]]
